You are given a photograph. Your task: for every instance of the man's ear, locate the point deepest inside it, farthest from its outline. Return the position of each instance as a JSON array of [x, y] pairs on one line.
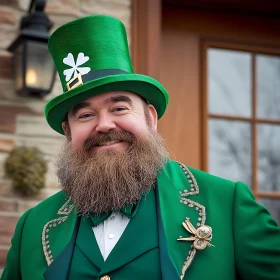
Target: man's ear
[[66, 129], [153, 116]]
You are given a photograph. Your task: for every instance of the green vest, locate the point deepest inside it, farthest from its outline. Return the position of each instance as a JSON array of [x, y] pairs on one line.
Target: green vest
[[136, 250]]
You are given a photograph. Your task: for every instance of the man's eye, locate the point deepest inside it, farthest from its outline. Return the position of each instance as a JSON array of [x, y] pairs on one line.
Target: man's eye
[[84, 116], [119, 109]]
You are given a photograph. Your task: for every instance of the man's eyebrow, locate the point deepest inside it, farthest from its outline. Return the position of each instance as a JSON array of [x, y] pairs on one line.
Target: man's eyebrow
[[112, 99], [79, 106], [118, 98]]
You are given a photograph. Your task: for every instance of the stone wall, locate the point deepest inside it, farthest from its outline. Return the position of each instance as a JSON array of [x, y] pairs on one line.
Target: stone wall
[[21, 119]]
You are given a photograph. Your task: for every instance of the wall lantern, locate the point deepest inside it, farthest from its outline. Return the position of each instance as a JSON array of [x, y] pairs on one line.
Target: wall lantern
[[34, 70]]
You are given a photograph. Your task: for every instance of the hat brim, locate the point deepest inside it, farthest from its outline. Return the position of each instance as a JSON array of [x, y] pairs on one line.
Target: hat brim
[[145, 86]]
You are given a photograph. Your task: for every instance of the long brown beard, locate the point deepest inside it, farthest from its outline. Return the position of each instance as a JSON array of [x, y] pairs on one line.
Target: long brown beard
[[109, 179]]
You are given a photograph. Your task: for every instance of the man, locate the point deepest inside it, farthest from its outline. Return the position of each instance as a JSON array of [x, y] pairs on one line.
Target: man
[[125, 210]]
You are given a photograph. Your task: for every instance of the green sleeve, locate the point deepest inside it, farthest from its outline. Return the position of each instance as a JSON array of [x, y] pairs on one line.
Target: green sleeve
[[256, 238], [12, 269]]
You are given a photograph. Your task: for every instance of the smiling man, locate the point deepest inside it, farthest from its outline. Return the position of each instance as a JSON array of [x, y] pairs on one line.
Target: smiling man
[[126, 211], [113, 152]]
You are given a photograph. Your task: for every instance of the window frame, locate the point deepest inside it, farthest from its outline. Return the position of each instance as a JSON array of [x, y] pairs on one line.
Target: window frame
[[253, 120]]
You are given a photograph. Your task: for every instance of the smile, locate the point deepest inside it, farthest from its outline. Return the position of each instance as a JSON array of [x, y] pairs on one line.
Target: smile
[[107, 143], [110, 145]]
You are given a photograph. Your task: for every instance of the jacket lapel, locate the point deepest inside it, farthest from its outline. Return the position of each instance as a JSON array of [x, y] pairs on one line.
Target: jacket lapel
[[57, 234], [87, 243], [168, 267], [176, 191], [59, 268]]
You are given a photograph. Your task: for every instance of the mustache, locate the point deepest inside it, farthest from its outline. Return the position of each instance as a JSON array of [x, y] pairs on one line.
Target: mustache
[[101, 137]]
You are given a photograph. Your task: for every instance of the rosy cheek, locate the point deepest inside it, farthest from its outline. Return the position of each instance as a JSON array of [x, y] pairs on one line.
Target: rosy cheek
[[78, 139]]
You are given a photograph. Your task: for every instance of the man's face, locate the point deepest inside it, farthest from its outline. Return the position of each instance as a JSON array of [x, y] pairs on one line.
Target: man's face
[[113, 152], [112, 111]]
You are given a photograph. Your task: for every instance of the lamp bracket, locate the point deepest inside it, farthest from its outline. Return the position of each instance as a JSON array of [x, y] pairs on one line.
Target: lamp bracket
[[36, 19]]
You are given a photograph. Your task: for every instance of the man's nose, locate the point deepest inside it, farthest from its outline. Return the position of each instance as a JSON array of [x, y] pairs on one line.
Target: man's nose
[[105, 124]]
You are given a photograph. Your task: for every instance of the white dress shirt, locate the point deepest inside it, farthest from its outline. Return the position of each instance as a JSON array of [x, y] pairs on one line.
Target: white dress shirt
[[108, 233]]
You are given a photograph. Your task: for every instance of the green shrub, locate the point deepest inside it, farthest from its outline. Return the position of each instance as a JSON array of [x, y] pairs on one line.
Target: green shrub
[[27, 168]]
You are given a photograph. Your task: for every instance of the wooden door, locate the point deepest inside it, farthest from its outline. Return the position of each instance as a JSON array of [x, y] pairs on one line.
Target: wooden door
[[180, 74]]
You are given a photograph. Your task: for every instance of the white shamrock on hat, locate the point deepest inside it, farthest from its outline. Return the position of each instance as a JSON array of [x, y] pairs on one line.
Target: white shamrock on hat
[[69, 60]]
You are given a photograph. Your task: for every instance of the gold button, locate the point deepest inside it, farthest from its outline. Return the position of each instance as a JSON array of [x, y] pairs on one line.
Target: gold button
[[106, 277]]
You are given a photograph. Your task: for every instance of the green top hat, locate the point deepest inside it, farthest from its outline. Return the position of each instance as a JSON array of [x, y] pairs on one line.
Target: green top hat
[[92, 57]]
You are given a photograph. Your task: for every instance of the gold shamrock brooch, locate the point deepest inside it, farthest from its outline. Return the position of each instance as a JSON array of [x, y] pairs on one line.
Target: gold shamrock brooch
[[201, 236]]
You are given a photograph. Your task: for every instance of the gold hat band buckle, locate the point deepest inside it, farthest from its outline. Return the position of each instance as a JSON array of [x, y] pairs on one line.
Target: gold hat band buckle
[[74, 82]]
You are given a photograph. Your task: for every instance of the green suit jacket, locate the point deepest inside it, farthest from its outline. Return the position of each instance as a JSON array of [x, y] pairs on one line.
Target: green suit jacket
[[245, 239]]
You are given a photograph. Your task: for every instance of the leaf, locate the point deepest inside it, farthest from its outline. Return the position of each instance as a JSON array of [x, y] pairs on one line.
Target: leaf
[[68, 73], [83, 70], [190, 227], [81, 59], [69, 60]]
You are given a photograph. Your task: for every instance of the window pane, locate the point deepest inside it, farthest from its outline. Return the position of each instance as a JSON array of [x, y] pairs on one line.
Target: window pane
[[230, 150], [40, 66], [268, 157], [229, 82], [268, 86], [273, 206]]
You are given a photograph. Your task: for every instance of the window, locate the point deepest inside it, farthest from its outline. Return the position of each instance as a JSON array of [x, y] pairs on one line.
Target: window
[[243, 119]]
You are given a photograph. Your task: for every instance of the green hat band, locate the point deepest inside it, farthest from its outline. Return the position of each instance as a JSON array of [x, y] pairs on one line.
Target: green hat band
[[94, 75]]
